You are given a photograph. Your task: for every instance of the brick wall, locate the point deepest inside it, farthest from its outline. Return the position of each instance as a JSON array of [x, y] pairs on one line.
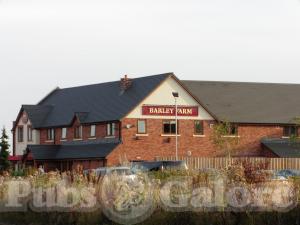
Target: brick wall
[[148, 147]]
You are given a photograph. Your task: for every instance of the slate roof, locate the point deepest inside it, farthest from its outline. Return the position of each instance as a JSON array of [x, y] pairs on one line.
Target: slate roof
[[78, 151], [283, 147], [93, 103], [37, 113], [248, 102]]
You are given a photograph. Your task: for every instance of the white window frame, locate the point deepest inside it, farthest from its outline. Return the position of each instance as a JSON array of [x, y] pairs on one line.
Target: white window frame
[[93, 130], [64, 133], [144, 131], [110, 129], [50, 134]]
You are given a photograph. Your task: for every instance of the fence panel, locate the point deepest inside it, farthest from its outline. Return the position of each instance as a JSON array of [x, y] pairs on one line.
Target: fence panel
[[222, 162]]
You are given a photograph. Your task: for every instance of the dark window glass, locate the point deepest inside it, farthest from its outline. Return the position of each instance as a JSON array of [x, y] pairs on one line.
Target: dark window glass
[[289, 131], [198, 129], [233, 129], [50, 134], [78, 132], [20, 134], [169, 127]]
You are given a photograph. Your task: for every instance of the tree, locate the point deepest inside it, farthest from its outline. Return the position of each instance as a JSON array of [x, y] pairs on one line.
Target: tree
[[294, 139], [4, 153], [224, 137]]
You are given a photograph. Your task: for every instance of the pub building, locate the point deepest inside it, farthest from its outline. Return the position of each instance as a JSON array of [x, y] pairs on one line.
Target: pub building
[[134, 119]]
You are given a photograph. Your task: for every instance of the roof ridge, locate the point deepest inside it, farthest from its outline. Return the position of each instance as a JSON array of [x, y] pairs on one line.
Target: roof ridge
[[239, 82], [116, 81]]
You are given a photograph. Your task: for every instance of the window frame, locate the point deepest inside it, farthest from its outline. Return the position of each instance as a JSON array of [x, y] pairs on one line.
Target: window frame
[[20, 135], [195, 128], [110, 129], [50, 137], [296, 134], [29, 131], [64, 137], [79, 128], [169, 122], [95, 128], [137, 126], [235, 127]]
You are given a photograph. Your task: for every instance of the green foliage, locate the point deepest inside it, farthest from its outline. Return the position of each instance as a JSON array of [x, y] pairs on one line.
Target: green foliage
[[223, 139], [4, 153]]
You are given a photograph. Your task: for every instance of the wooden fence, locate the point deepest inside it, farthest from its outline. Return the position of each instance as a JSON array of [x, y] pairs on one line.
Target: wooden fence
[[222, 162]]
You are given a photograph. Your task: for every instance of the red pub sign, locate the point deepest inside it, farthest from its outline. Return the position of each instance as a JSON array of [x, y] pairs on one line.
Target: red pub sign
[[159, 110]]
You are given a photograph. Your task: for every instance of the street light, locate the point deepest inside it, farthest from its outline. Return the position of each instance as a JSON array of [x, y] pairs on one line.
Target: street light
[[176, 95]]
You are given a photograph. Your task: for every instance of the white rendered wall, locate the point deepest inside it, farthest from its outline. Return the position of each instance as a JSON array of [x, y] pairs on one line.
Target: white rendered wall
[[21, 146], [163, 96]]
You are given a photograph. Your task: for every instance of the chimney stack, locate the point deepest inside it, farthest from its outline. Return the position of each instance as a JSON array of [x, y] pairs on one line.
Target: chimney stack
[[125, 83]]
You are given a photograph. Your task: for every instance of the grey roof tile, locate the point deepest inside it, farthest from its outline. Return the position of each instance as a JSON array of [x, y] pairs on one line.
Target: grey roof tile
[[248, 102], [80, 151], [98, 102], [283, 147]]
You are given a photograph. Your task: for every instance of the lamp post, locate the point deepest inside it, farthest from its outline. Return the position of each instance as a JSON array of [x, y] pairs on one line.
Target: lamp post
[[176, 95]]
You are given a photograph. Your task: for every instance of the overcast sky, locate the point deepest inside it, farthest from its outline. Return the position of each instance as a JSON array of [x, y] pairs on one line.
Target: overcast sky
[[44, 44]]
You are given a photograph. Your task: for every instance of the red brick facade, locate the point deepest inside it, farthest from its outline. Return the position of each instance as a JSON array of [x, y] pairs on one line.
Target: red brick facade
[[155, 144]]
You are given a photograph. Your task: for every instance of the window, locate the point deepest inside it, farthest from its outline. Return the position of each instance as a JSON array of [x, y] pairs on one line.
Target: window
[[50, 134], [169, 127], [141, 127], [233, 130], [29, 133], [64, 133], [289, 131], [20, 134], [110, 129], [93, 131], [78, 132], [198, 127]]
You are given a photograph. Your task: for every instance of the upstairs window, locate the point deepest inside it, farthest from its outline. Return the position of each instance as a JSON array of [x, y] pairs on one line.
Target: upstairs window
[[50, 134], [110, 129], [29, 133], [198, 127], [141, 127], [290, 131], [78, 132], [63, 133], [20, 134], [233, 130], [169, 127], [93, 131]]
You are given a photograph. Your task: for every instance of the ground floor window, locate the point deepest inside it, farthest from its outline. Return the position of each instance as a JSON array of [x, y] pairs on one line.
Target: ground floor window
[[141, 127], [198, 127], [290, 131], [169, 127]]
